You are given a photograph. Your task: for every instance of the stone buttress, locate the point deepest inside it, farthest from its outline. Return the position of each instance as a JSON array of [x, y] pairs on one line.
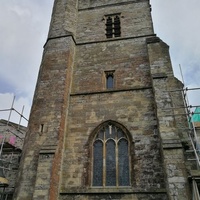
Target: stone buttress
[[41, 159], [89, 43]]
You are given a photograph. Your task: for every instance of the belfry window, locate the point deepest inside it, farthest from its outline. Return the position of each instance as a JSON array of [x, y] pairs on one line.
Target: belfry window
[[110, 157], [109, 79], [113, 26]]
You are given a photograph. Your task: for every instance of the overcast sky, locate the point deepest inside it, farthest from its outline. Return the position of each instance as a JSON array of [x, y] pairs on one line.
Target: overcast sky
[[24, 27]]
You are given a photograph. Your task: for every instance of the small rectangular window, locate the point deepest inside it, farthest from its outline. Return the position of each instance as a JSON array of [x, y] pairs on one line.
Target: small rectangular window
[[109, 79], [113, 26]]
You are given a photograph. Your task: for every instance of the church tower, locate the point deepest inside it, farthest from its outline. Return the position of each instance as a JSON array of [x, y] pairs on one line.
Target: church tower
[[101, 126]]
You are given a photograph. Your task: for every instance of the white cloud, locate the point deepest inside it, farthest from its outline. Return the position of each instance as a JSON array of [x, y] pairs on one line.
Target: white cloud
[[176, 23], [24, 27], [20, 11]]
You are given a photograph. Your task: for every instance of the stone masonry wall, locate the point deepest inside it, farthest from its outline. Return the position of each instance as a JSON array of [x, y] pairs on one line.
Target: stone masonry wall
[[93, 3], [63, 21], [47, 118], [172, 149], [133, 109], [71, 100], [115, 197], [135, 21], [11, 137], [127, 58]]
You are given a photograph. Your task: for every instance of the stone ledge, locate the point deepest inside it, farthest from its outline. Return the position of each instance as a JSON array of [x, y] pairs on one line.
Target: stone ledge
[[159, 76], [110, 5], [128, 190], [48, 149], [171, 144], [114, 39], [111, 91], [153, 40]]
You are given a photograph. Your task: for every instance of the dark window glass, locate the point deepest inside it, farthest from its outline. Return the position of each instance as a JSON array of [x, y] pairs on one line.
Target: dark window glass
[[123, 162], [98, 164], [6, 196], [109, 28], [120, 133], [9, 197], [110, 81], [117, 27], [101, 135], [113, 26], [110, 163], [111, 157], [107, 134]]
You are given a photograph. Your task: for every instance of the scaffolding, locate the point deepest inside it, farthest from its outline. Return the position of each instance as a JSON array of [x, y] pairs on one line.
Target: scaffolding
[[192, 146], [193, 143], [11, 143]]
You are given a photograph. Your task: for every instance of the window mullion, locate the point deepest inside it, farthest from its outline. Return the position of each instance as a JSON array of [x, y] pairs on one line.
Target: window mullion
[[129, 159], [104, 160], [117, 165], [113, 28]]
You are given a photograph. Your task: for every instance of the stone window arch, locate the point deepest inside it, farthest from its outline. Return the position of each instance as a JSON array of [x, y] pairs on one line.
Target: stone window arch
[[111, 158]]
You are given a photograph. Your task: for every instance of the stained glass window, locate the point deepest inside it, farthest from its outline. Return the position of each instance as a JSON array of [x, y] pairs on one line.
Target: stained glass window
[[110, 163], [98, 164], [123, 162], [111, 160]]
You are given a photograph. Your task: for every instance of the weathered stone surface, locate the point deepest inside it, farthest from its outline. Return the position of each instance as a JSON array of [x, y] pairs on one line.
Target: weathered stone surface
[[172, 151], [11, 140], [71, 100]]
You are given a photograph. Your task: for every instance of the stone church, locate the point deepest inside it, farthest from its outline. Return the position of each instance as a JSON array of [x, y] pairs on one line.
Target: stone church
[[102, 124]]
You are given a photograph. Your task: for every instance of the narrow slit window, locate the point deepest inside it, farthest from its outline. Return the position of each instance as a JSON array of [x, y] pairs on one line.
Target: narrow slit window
[[109, 27], [109, 79], [41, 128], [110, 82], [117, 27]]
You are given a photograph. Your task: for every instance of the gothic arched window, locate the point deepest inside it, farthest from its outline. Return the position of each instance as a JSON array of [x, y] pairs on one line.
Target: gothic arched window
[[111, 160]]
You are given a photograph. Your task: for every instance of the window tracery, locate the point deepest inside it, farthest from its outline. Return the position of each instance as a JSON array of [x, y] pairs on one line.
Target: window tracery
[[111, 160]]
